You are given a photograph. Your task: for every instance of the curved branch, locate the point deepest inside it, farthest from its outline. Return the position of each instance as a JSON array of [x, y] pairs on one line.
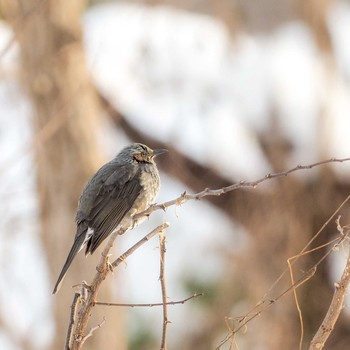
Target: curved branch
[[103, 269], [184, 197], [335, 307]]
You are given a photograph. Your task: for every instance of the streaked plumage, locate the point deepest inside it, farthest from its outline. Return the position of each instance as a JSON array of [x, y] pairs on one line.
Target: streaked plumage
[[126, 185]]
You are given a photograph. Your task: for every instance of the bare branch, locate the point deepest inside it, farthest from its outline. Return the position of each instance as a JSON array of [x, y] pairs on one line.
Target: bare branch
[[336, 306], [92, 330], [139, 244], [264, 304], [304, 251], [72, 320], [195, 295], [184, 197], [163, 287], [103, 269], [85, 311]]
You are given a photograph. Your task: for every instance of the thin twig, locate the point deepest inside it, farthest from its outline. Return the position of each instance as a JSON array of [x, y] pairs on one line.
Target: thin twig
[[92, 330], [336, 242], [297, 304], [195, 295], [304, 251], [265, 304], [335, 307], [74, 306], [184, 197], [163, 287], [137, 245], [103, 269], [84, 314]]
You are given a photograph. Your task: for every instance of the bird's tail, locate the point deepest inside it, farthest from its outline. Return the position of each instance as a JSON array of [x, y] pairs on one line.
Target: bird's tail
[[78, 244]]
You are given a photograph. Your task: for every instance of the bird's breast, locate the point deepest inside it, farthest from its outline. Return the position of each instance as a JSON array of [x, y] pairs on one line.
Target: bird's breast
[[149, 180]]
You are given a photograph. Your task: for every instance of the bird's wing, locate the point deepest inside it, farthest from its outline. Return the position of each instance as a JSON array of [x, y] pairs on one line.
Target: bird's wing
[[114, 199]]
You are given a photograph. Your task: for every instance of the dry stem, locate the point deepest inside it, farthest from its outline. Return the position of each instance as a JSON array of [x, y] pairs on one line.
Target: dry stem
[[335, 308], [183, 301], [264, 304], [103, 269], [72, 320], [164, 293], [184, 197]]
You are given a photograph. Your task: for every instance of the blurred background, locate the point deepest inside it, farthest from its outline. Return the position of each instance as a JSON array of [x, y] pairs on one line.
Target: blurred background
[[234, 90]]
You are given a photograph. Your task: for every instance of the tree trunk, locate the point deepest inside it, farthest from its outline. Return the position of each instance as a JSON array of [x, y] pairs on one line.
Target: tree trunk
[[65, 110]]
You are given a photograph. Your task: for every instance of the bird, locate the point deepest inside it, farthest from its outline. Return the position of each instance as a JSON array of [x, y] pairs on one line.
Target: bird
[[121, 188]]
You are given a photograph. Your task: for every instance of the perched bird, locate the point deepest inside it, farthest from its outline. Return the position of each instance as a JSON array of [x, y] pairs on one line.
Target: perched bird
[[123, 187]]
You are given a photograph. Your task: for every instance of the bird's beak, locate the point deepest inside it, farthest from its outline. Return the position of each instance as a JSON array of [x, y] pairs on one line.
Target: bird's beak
[[157, 152]]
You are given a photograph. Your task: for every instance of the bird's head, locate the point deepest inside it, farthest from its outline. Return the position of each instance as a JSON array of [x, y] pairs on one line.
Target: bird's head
[[142, 153]]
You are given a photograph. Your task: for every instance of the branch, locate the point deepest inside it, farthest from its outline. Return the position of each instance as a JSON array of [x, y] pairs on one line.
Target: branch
[[195, 295], [92, 330], [72, 320], [184, 197], [85, 311], [103, 269], [137, 245], [335, 308], [163, 287], [264, 304]]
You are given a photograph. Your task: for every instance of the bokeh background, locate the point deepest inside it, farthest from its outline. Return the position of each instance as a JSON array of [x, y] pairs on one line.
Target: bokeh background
[[234, 89]]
